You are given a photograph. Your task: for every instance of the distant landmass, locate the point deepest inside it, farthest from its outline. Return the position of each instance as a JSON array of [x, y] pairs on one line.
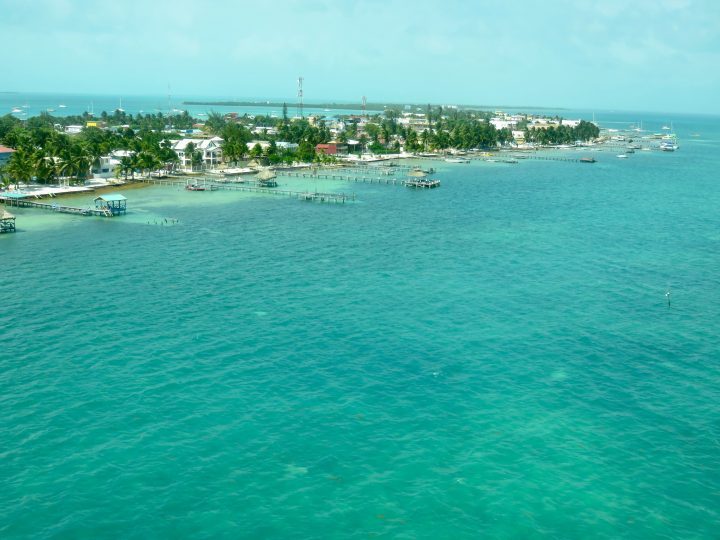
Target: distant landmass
[[357, 106]]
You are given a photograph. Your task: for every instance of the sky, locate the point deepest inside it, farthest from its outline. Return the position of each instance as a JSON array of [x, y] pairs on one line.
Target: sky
[[646, 55]]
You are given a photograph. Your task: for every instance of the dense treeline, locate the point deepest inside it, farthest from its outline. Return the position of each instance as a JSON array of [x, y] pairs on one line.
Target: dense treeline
[[584, 131], [44, 154]]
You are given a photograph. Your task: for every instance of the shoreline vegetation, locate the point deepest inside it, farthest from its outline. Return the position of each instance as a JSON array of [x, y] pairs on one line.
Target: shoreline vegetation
[[49, 150]]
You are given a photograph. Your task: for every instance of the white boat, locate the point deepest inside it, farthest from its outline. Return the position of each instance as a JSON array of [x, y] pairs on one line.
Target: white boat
[[457, 160], [669, 146], [17, 110], [667, 128], [61, 106], [622, 156]]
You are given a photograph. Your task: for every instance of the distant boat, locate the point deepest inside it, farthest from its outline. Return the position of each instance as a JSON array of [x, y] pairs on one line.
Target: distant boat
[[668, 146], [587, 160], [666, 128], [622, 156], [51, 110], [194, 187], [457, 160], [17, 110], [61, 106]]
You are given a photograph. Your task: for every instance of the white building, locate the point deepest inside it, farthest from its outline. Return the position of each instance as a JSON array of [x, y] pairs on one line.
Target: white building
[[284, 145], [502, 123], [571, 123], [106, 165], [211, 150]]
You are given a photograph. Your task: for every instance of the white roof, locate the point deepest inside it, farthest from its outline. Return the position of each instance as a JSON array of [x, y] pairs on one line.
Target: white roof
[[200, 144]]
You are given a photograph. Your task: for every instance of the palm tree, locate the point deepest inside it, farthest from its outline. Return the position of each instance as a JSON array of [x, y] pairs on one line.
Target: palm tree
[[20, 167], [5, 180], [425, 138], [188, 154], [44, 167], [126, 166], [80, 161], [197, 159]]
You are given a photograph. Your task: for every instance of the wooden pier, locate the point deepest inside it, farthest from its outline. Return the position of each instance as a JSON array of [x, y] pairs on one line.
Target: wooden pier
[[344, 178], [227, 186], [548, 158], [54, 207]]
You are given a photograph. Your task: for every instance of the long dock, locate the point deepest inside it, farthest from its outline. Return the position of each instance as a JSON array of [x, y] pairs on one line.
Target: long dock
[[548, 158], [227, 186], [54, 207], [344, 177]]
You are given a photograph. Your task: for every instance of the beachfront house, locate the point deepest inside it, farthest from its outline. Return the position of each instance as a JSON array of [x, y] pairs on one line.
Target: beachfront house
[[106, 166], [209, 149]]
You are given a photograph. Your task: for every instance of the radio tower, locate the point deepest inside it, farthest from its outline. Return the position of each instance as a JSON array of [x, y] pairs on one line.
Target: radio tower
[[300, 98], [364, 106]]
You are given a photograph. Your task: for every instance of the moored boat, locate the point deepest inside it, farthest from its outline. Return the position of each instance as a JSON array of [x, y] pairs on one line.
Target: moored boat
[[587, 160]]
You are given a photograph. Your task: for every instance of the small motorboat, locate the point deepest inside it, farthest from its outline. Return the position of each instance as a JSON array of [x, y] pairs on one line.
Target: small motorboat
[[194, 187]]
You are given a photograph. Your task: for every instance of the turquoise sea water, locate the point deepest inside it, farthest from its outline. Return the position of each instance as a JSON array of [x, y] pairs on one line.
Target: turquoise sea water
[[491, 359]]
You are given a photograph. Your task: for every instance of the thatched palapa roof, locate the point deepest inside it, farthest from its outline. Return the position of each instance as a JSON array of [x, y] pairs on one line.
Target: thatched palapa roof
[[266, 174]]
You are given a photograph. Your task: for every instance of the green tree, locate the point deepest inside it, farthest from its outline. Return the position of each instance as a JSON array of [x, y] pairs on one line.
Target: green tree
[[306, 152], [20, 166]]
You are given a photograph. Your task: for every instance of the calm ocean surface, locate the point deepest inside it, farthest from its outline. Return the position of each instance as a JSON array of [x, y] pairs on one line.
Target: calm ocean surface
[[491, 359]]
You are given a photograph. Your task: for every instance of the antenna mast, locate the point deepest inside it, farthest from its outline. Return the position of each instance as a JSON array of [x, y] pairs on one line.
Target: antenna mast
[[300, 98]]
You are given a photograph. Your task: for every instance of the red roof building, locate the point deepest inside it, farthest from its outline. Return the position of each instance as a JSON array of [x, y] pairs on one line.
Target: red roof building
[[331, 149]]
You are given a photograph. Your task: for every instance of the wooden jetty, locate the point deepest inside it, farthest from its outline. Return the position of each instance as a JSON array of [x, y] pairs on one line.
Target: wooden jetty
[[7, 221], [227, 186], [22, 202], [344, 177], [549, 158]]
